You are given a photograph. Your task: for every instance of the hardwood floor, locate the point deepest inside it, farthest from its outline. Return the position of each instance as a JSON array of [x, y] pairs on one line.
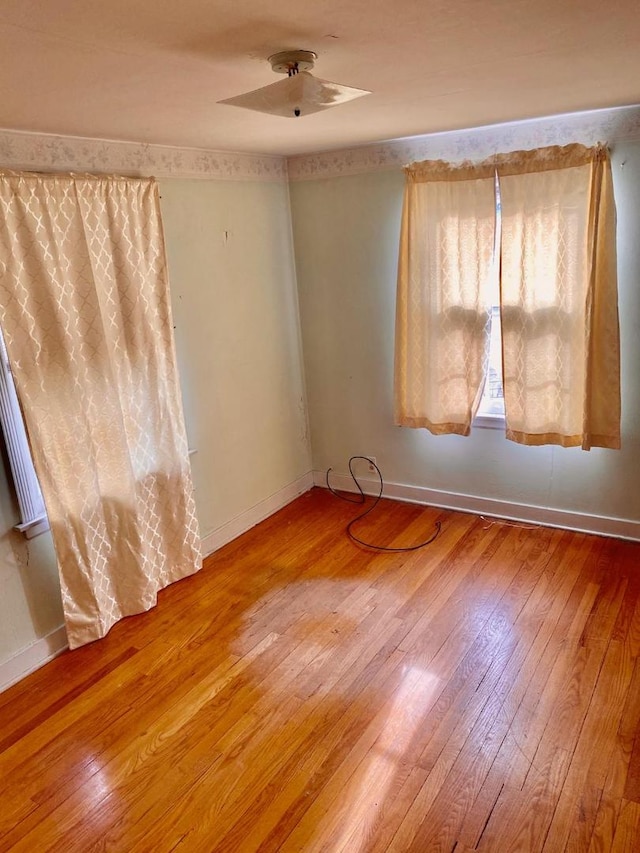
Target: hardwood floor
[[304, 694]]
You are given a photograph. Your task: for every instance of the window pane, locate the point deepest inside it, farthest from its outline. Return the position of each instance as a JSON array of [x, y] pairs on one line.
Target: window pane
[[492, 403]]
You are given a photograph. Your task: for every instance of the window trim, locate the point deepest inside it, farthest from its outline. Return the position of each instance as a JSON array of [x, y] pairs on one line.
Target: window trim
[[489, 422]]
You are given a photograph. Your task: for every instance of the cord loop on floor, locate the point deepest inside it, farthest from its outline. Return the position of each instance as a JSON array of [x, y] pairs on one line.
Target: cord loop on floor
[[362, 499]]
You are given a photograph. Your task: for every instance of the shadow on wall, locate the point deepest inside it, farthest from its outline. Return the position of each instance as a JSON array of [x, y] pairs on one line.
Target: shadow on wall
[[35, 562]]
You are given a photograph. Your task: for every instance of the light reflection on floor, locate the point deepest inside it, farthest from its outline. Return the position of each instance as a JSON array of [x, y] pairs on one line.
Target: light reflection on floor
[[365, 795], [325, 623]]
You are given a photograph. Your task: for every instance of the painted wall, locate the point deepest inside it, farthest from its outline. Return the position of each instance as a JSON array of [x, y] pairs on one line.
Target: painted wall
[[234, 299], [346, 231]]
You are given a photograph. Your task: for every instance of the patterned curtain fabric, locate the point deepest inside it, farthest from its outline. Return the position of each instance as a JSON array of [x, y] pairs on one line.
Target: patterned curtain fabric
[[559, 302], [558, 284], [84, 306], [443, 307]]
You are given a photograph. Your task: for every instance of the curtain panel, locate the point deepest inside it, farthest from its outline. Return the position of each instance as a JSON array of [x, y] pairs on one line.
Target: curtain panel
[[558, 297], [84, 307], [559, 302], [442, 309]]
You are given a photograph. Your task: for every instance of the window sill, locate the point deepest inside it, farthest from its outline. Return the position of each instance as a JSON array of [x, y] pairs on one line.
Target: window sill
[[489, 422], [30, 529]]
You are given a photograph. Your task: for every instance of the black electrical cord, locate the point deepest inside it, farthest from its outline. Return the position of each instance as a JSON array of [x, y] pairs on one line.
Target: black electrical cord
[[362, 499]]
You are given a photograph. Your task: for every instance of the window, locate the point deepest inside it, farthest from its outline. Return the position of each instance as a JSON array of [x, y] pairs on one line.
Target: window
[[491, 412], [33, 517], [549, 228], [491, 409]]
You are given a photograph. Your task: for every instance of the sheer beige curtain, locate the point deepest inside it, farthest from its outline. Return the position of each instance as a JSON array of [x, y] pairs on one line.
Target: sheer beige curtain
[[84, 306], [559, 297], [443, 307]]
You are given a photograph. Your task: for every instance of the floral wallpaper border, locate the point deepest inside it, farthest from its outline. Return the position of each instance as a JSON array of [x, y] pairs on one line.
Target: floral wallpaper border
[[609, 126], [47, 152]]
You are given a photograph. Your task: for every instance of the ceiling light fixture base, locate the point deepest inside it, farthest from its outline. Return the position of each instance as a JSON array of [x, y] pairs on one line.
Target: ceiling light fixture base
[[287, 61]]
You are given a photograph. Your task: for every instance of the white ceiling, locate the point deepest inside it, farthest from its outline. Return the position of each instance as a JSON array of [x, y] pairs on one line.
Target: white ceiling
[[152, 70]]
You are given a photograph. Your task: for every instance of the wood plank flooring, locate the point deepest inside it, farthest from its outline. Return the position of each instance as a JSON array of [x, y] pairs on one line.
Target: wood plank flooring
[[305, 694]]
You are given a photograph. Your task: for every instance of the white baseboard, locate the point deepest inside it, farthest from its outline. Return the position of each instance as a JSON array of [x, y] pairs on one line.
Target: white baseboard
[[33, 657], [621, 528], [255, 514]]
